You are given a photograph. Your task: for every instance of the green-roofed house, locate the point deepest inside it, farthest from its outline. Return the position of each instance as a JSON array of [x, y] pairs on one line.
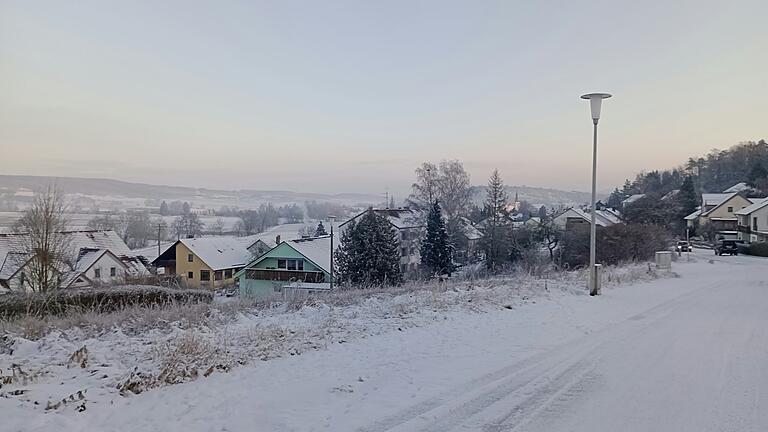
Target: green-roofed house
[[302, 264]]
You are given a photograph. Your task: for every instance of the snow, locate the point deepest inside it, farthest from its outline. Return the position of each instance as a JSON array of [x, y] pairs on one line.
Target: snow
[[687, 353], [221, 253], [317, 249], [759, 203]]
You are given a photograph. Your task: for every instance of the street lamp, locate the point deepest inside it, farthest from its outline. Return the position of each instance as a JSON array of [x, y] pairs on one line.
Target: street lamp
[[595, 100], [331, 219]]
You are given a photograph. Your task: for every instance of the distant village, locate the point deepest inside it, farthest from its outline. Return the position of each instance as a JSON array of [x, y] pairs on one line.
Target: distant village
[[437, 232]]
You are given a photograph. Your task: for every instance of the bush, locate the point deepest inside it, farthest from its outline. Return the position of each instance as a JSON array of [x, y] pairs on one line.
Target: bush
[[615, 244], [98, 299], [755, 248]]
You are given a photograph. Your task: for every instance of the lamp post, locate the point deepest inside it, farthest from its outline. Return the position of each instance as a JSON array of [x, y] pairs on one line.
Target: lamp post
[[331, 219], [595, 100]]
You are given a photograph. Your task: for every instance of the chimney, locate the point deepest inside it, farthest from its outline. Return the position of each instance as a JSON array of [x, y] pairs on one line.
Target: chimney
[[277, 239]]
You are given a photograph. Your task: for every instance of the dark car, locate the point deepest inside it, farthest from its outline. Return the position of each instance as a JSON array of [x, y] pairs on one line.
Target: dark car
[[726, 247]]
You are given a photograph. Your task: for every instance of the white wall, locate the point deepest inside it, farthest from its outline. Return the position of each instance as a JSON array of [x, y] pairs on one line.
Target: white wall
[[105, 263]]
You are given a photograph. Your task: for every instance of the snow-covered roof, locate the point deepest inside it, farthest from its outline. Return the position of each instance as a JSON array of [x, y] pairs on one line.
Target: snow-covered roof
[[150, 252], [714, 198], [221, 253], [671, 194], [632, 198], [12, 257], [693, 215], [761, 202], [400, 218], [602, 217], [738, 187], [316, 249], [470, 231], [725, 198]]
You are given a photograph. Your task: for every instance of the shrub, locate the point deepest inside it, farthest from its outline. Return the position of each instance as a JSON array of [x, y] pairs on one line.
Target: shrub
[[755, 248], [98, 299], [615, 244]]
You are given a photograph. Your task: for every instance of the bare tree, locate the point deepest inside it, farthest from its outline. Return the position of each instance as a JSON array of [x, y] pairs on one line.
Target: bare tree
[[43, 245], [449, 184]]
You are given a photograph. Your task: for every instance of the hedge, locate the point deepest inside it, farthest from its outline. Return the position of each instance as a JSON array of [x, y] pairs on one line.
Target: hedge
[[100, 300], [755, 248]]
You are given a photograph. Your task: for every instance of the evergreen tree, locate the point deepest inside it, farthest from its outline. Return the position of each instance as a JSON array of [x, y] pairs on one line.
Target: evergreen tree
[[687, 198], [369, 253], [320, 231], [436, 250], [496, 231], [164, 208]]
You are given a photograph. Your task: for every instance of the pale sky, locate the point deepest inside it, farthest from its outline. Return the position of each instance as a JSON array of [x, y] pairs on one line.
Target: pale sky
[[331, 96]]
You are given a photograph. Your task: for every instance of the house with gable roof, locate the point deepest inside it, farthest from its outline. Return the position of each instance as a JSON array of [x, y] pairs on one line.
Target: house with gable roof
[[206, 262], [294, 265], [752, 225], [97, 257]]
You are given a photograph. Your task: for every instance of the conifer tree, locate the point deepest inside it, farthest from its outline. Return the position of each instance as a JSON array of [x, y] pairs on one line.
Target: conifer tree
[[496, 230], [320, 231], [436, 250], [369, 252]]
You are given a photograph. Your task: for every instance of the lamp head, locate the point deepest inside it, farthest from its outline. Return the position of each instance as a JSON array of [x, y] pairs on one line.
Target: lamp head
[[595, 100]]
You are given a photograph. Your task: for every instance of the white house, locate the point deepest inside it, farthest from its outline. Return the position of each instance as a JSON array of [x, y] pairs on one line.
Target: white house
[[753, 222], [96, 256]]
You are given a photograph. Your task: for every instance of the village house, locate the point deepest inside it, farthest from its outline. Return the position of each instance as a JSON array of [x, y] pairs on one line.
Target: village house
[[752, 225], [410, 225], [206, 262], [574, 217], [97, 257], [468, 247], [294, 265], [718, 213]]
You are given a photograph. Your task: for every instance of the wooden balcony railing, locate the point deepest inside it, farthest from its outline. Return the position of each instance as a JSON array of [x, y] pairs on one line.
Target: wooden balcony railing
[[285, 275]]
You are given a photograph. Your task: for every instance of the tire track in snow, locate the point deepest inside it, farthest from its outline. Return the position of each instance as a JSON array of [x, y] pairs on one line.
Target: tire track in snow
[[529, 385]]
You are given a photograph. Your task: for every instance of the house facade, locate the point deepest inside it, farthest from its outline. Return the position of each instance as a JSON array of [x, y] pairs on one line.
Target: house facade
[[410, 226], [97, 257], [718, 212], [752, 223], [206, 262], [294, 265]]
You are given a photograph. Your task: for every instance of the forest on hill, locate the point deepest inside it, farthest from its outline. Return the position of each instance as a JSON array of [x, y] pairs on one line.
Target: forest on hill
[[718, 170]]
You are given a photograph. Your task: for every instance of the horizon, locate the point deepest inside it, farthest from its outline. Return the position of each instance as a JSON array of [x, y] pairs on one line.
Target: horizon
[[360, 95]]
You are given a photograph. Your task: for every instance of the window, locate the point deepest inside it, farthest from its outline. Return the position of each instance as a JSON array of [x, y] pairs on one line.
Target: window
[[754, 223], [228, 274], [217, 275], [404, 235], [112, 271], [730, 209], [295, 264], [97, 273], [403, 251], [281, 263], [190, 275], [205, 275], [190, 258]]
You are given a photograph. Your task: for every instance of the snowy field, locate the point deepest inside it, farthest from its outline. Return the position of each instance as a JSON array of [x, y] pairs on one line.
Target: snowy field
[[686, 351]]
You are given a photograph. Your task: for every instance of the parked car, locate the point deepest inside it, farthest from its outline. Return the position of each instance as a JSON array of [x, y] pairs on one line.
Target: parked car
[[683, 246], [726, 247]]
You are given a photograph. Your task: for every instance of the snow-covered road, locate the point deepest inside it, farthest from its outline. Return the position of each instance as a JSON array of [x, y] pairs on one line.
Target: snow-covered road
[[682, 354]]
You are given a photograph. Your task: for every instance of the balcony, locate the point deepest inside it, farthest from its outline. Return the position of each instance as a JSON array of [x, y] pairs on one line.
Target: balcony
[[285, 275]]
